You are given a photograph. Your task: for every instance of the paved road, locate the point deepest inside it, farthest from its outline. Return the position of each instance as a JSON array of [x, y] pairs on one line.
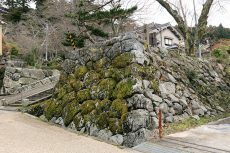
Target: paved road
[[20, 133], [211, 138]]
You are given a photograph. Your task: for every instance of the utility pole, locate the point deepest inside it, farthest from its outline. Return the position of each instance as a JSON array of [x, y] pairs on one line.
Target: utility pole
[[196, 23]]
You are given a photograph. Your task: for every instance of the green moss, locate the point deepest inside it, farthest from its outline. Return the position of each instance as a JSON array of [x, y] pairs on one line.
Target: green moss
[[70, 111], [60, 93], [145, 72], [102, 120], [115, 126], [67, 98], [122, 60], [80, 72], [100, 64], [124, 89], [104, 89], [88, 106], [103, 106], [52, 109], [92, 78], [155, 85], [83, 95], [118, 108], [37, 109]]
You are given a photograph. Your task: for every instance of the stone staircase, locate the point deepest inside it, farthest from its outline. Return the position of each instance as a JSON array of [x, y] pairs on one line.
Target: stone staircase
[[27, 97]]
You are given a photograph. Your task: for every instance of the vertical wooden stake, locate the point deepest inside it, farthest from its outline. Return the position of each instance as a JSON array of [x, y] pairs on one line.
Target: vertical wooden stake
[[160, 124]]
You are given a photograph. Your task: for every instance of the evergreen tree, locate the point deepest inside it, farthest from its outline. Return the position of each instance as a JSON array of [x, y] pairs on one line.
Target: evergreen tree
[[90, 19]]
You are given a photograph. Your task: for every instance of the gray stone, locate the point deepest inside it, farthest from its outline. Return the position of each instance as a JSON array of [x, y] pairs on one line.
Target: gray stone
[[183, 102], [164, 107], [43, 118], [133, 139], [72, 126], [82, 130], [178, 108], [138, 88], [195, 104], [167, 88], [169, 119], [153, 97], [60, 121], [155, 122], [136, 120], [104, 134], [139, 101], [146, 84], [199, 112], [172, 111], [196, 117], [117, 139], [168, 102], [220, 109], [53, 120], [16, 76], [171, 78], [93, 130], [153, 114], [173, 98]]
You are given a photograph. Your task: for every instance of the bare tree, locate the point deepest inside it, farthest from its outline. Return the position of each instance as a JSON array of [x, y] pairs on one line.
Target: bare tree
[[192, 38]]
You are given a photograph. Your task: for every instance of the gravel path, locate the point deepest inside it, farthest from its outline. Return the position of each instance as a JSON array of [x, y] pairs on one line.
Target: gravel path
[[20, 133]]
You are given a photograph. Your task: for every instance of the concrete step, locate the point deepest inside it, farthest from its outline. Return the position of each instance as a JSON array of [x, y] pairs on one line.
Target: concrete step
[[10, 108]]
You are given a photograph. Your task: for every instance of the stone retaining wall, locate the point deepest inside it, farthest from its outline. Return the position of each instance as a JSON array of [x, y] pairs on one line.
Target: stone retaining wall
[[18, 80], [114, 90]]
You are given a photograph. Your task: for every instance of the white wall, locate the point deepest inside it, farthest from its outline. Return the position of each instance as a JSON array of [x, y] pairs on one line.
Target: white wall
[[168, 34]]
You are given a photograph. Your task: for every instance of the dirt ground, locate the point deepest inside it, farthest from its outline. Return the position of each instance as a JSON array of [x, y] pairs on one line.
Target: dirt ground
[[20, 133]]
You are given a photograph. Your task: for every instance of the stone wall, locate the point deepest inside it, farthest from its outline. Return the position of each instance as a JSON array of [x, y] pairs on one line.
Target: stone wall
[[18, 80], [114, 90]]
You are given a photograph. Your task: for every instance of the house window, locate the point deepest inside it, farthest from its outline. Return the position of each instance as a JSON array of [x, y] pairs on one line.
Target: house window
[[168, 42]]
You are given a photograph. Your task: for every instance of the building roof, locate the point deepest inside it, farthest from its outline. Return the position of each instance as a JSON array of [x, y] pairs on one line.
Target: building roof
[[155, 27]]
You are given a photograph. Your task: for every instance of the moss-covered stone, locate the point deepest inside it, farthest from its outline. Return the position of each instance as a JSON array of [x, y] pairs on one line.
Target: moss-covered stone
[[88, 106], [103, 106], [80, 72], [102, 120], [124, 89], [118, 108], [100, 64], [52, 109], [115, 126], [104, 89], [70, 111], [68, 98], [60, 92], [83, 95], [155, 85], [91, 78], [37, 109], [122, 60]]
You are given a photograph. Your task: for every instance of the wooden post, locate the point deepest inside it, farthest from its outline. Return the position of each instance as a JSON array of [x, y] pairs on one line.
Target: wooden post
[[1, 40], [160, 124]]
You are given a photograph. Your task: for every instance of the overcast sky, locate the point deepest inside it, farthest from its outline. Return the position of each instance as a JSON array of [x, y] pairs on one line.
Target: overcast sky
[[151, 11]]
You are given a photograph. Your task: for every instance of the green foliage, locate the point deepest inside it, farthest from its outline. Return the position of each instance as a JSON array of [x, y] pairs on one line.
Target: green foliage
[[124, 89], [103, 106], [191, 75], [2, 73], [115, 125], [219, 32], [14, 51], [217, 53], [74, 40], [155, 85]]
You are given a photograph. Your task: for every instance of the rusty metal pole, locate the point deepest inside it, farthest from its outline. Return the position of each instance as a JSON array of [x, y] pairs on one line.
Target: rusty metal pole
[[160, 124]]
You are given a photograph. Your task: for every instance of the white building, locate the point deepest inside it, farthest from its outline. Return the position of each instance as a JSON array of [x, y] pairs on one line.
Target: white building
[[161, 35]]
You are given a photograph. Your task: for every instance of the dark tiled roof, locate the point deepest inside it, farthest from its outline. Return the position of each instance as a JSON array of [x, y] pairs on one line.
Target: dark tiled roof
[[3, 10]]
